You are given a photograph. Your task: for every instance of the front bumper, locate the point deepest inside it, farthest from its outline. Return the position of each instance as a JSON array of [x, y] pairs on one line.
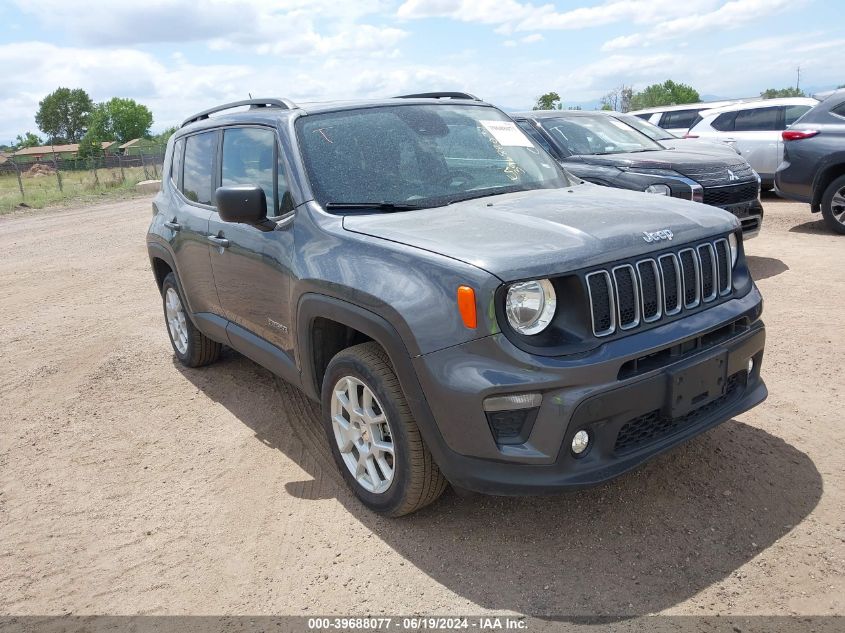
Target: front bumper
[[750, 215], [628, 416]]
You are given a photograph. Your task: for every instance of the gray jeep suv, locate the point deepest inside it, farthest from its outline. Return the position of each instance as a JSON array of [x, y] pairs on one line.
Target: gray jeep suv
[[464, 310]]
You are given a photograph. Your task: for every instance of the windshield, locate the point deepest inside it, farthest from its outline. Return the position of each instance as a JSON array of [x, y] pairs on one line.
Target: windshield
[[406, 156], [644, 127], [596, 135]]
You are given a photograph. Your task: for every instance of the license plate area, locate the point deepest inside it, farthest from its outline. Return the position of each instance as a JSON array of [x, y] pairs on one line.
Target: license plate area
[[698, 383]]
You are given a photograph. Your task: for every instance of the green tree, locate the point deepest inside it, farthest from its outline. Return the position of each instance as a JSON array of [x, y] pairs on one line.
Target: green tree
[[774, 93], [121, 120], [63, 115], [667, 93], [548, 101], [28, 139], [91, 145], [162, 137]]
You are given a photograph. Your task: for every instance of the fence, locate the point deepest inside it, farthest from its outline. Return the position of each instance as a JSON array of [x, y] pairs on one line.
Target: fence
[[35, 184]]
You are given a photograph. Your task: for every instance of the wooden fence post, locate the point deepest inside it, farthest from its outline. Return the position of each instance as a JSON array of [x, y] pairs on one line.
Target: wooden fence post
[[20, 182], [122, 174]]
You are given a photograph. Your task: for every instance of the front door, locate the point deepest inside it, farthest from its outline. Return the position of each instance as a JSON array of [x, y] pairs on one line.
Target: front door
[[252, 264]]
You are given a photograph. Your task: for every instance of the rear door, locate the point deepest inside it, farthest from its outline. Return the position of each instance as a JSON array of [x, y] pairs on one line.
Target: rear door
[[191, 171], [757, 138], [252, 264]]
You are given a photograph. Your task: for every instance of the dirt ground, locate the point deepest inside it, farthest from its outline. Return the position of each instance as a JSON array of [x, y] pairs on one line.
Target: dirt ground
[[130, 485]]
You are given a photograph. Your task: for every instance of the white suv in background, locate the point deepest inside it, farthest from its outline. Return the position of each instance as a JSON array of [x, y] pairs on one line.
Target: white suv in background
[[678, 118], [753, 129]]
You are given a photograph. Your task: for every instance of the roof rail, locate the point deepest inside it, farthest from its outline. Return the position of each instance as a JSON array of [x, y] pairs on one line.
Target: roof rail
[[440, 95], [283, 104]]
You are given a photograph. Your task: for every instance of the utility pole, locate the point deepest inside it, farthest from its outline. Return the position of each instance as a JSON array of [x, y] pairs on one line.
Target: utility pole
[[798, 78]]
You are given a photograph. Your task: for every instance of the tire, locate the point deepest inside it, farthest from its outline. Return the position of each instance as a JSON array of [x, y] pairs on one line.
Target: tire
[[194, 349], [415, 481], [833, 205]]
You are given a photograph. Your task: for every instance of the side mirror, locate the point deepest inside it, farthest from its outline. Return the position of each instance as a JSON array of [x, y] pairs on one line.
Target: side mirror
[[245, 204]]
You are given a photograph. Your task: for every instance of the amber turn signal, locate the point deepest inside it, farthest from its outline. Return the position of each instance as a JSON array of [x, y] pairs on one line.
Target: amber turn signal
[[466, 306]]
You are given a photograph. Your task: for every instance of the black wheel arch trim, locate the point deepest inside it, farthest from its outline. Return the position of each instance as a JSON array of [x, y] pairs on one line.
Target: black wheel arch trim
[[312, 306]]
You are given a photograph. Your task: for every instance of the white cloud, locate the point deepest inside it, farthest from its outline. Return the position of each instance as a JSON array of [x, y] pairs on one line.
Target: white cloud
[[511, 15], [730, 15], [285, 27], [528, 39]]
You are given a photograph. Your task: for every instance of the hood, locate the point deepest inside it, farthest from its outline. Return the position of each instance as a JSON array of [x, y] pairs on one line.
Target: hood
[[701, 146], [708, 169], [546, 231]]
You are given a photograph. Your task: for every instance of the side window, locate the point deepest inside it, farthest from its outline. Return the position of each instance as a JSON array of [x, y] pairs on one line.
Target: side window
[[793, 113], [645, 117], [176, 161], [678, 119], [199, 158], [839, 110], [536, 136], [724, 122], [249, 158], [758, 120]]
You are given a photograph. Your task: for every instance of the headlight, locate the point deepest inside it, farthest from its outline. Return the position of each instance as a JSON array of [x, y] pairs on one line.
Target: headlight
[[734, 248], [663, 190], [530, 305]]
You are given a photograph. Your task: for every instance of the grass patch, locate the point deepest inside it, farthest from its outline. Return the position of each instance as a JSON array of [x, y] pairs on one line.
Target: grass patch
[[77, 186]]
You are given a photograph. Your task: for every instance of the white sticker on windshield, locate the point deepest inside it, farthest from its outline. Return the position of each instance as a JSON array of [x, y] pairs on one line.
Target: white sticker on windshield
[[506, 133]]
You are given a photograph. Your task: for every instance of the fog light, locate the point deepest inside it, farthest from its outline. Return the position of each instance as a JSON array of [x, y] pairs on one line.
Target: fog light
[[750, 365], [580, 442]]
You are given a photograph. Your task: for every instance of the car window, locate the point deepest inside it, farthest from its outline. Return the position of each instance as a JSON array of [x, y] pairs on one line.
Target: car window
[[249, 158], [758, 119], [839, 110], [583, 135], [176, 161], [198, 174], [793, 113], [426, 155], [538, 138], [678, 119], [652, 131], [724, 122], [644, 117]]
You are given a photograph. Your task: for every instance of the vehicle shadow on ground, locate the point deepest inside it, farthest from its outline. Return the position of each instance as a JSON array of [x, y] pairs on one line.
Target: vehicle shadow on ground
[[640, 544], [765, 267], [813, 227]]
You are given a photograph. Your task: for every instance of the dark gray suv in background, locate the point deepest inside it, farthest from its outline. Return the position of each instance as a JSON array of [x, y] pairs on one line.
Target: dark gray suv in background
[[601, 148], [813, 167], [464, 309]]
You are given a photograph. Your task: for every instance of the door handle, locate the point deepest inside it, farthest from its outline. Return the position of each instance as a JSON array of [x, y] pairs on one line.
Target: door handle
[[173, 225], [222, 242]]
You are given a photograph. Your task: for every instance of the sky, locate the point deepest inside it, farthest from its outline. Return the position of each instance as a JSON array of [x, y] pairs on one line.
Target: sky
[[181, 56]]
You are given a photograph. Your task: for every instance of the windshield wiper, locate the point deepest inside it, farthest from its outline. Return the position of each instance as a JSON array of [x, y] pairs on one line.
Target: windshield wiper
[[385, 207]]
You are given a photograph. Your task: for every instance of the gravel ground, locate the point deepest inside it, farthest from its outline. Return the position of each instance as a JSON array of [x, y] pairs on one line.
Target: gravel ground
[[130, 485]]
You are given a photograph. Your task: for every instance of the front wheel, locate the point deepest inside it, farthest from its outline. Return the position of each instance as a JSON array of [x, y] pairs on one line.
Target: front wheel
[[192, 347], [833, 205], [374, 439]]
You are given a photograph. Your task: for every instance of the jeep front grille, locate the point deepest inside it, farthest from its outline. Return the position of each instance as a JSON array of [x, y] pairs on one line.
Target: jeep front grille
[[648, 290]]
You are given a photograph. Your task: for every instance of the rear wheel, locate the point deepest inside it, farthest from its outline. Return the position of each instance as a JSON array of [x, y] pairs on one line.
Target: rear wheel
[[192, 347], [833, 205], [374, 439]]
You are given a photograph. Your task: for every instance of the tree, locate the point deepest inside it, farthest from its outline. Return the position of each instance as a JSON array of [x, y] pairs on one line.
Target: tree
[[63, 115], [121, 120], [91, 145], [548, 101], [667, 93], [618, 99], [162, 137], [28, 139], [774, 93]]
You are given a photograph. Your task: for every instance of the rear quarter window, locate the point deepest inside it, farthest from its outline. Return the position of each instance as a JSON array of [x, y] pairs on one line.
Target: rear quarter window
[[839, 110]]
